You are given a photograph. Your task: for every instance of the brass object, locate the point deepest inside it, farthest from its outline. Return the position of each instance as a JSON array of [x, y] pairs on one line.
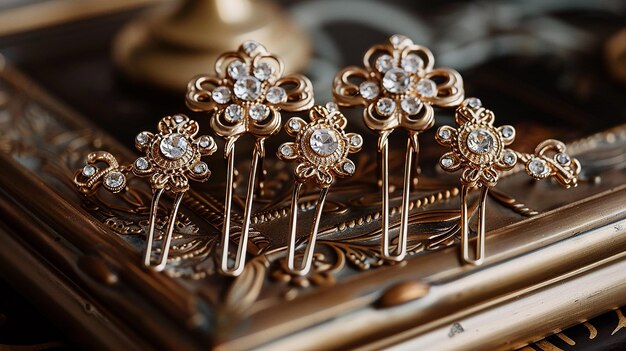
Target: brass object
[[245, 97], [398, 88], [320, 149], [172, 43]]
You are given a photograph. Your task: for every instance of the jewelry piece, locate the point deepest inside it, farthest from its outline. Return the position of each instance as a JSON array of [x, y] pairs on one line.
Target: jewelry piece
[[172, 157], [398, 87], [245, 96], [478, 149], [321, 149]]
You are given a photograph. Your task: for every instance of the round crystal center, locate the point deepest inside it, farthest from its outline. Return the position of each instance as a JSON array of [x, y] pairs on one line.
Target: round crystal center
[[396, 81], [174, 146], [324, 142], [247, 88], [480, 141]]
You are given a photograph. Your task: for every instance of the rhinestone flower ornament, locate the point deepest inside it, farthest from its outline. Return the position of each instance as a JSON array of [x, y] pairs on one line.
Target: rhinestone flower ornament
[[103, 169], [479, 150]]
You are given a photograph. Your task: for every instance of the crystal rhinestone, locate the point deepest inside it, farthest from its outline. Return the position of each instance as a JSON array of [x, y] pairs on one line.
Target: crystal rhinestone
[[412, 63], [276, 95], [384, 63], [474, 103], [249, 46], [324, 142], [258, 112], [444, 134], [142, 138], [286, 150], [114, 179], [89, 170], [263, 70], [348, 167], [385, 106], [426, 87], [332, 107], [411, 105], [507, 131], [141, 163], [396, 39], [563, 158], [396, 80], [179, 119], [447, 161], [200, 168], [221, 95], [538, 167], [237, 69], [204, 142], [480, 141], [234, 113], [248, 88], [509, 158], [174, 146], [294, 125], [356, 140], [369, 90]]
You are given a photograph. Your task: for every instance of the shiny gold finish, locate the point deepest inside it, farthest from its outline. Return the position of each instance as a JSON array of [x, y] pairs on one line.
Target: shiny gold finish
[[175, 42], [402, 293]]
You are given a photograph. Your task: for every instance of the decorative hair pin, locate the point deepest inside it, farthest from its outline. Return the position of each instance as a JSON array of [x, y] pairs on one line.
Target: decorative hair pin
[[245, 96], [321, 149], [478, 149], [398, 87], [172, 157]]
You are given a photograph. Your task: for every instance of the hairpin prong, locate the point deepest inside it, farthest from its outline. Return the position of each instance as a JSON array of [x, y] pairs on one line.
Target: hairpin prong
[[479, 255]]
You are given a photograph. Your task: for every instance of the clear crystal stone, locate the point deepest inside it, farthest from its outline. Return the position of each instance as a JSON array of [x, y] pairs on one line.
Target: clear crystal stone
[[294, 125], [249, 46], [385, 106], [396, 39], [563, 158], [369, 90], [444, 134], [426, 87], [480, 141], [263, 70], [237, 69], [348, 167], [204, 142], [286, 150], [200, 168], [142, 138], [411, 105], [233, 113], [474, 103], [179, 118], [89, 170], [384, 63], [141, 163], [258, 112], [396, 80], [509, 158], [248, 88], [538, 167], [412, 63], [356, 140], [221, 95], [447, 161], [332, 107], [324, 142], [276, 95], [174, 146], [507, 131], [114, 179]]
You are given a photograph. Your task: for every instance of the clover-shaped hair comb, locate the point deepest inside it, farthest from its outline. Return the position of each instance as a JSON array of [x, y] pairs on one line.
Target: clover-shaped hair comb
[[398, 88], [244, 97], [171, 158], [478, 149], [321, 151]]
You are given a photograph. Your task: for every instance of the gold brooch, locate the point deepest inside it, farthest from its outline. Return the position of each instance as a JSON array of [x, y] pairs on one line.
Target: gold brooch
[[321, 150], [479, 150], [171, 158], [398, 86], [244, 97]]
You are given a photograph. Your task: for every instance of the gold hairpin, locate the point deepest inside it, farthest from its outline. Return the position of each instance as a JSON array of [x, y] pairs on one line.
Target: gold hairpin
[[321, 151], [478, 149], [398, 87], [245, 96], [172, 157]]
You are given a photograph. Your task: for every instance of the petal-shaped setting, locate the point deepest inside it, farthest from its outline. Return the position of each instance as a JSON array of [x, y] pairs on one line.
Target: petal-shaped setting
[[508, 134], [446, 135], [287, 152], [355, 142], [294, 125], [449, 162]]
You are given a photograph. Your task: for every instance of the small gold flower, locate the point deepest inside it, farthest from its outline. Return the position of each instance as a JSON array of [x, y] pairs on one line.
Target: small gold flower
[[101, 169], [321, 147]]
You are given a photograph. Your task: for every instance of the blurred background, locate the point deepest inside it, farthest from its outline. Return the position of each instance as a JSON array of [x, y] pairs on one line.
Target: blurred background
[[551, 68]]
